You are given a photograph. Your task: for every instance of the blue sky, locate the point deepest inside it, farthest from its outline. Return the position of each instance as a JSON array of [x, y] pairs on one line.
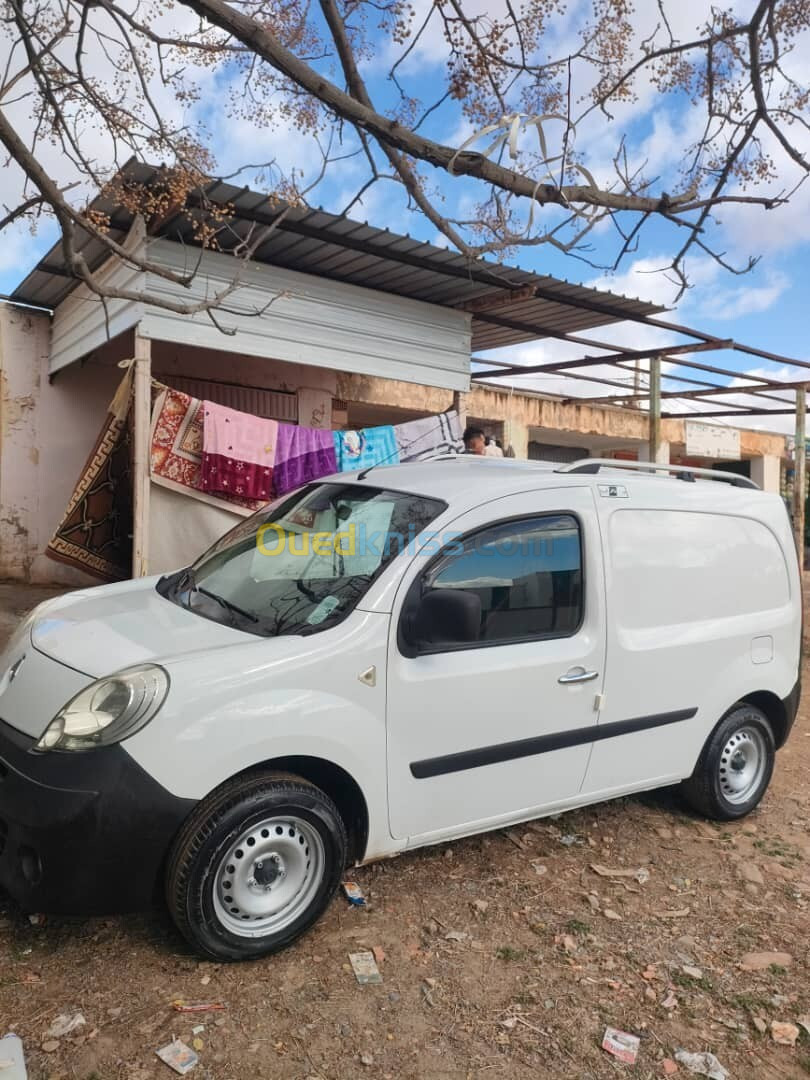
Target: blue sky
[[765, 308]]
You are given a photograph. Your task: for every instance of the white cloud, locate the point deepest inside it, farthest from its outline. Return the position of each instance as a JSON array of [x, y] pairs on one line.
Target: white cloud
[[237, 141], [18, 246], [642, 279], [751, 230], [739, 301], [102, 67], [714, 293]]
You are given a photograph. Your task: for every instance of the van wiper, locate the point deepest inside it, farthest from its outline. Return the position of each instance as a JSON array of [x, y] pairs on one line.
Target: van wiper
[[185, 581], [227, 604]]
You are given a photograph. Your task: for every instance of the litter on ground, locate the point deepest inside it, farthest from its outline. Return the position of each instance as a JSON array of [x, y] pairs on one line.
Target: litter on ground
[[621, 1045], [178, 1056], [365, 968], [12, 1059], [194, 1007], [354, 894], [704, 1064], [65, 1025]]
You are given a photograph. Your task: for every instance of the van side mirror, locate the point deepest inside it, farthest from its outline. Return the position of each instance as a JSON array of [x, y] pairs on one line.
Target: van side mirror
[[443, 616]]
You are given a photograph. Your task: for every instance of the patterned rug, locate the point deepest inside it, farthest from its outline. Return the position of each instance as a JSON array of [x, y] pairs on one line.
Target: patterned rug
[[177, 448], [95, 535]]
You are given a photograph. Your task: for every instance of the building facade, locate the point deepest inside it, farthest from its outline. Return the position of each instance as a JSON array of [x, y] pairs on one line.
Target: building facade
[[334, 324]]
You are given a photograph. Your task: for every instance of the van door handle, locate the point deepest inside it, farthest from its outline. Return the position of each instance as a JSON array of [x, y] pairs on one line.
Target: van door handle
[[578, 675]]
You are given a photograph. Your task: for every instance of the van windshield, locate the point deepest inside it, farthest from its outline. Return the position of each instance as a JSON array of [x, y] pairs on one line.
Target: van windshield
[[302, 564]]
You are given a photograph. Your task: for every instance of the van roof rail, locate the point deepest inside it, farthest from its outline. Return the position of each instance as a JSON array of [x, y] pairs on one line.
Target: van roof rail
[[682, 472]]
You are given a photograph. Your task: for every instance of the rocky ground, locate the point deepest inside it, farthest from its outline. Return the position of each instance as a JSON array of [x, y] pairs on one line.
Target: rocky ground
[[507, 954]]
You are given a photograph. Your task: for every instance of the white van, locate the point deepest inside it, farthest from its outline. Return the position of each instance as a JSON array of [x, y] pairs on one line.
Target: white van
[[390, 659]]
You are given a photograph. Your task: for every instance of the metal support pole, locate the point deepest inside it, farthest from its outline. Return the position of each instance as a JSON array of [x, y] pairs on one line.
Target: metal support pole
[[460, 405], [800, 472], [142, 415], [655, 407]]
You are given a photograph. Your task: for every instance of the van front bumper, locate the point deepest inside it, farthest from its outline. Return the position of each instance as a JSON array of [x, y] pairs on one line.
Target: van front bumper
[[81, 833]]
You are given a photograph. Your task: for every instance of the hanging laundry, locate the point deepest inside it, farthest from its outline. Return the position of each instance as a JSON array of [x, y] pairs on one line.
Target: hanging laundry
[[176, 450], [429, 436], [238, 452], [302, 454], [366, 447]]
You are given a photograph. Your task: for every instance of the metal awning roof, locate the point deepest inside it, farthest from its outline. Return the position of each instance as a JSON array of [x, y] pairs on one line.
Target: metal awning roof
[[759, 393], [508, 305]]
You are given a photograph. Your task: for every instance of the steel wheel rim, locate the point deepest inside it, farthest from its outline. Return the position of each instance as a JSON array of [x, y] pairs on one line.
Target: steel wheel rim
[[269, 876], [742, 764]]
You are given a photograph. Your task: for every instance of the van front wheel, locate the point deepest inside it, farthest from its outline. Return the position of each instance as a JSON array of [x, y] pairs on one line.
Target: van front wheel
[[735, 766], [255, 865]]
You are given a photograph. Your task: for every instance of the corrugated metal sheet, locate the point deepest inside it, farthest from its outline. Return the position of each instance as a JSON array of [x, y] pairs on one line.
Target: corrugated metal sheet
[[85, 323], [271, 404], [315, 321], [329, 246]]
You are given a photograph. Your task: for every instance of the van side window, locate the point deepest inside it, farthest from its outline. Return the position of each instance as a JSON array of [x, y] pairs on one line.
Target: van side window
[[527, 575]]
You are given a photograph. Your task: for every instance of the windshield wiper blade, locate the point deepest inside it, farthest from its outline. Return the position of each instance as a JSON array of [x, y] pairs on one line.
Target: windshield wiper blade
[[227, 604], [185, 582]]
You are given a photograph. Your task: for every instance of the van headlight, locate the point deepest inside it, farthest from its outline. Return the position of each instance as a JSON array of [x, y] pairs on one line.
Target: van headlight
[[109, 710]]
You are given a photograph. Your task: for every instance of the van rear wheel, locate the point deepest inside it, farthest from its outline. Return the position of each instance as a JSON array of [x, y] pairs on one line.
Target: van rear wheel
[[735, 766], [255, 865]]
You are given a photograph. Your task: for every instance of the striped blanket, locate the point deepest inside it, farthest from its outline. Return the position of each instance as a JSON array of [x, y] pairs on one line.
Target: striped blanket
[[429, 436]]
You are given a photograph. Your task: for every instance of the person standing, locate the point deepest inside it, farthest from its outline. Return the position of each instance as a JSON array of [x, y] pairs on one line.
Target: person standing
[[474, 441]]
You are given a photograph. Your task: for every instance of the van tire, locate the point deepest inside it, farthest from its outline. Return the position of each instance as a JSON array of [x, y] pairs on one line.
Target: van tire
[[743, 740], [232, 833]]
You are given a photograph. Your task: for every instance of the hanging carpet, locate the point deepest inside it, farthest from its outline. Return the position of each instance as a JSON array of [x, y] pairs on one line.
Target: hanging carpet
[[95, 535], [177, 448]]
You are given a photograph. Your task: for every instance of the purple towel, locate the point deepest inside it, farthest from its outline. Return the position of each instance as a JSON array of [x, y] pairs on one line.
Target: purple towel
[[302, 454]]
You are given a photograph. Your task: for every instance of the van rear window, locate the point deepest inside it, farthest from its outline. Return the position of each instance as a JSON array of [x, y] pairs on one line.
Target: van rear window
[[676, 566]]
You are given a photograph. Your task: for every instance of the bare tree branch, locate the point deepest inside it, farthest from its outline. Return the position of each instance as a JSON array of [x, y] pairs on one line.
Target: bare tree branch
[[89, 81]]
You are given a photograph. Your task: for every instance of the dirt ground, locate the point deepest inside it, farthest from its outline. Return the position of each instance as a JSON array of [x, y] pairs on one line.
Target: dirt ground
[[505, 954]]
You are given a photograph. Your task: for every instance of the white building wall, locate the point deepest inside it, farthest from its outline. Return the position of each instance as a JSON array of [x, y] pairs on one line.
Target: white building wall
[[170, 360], [46, 433], [312, 321], [766, 470], [662, 457], [83, 322], [24, 339]]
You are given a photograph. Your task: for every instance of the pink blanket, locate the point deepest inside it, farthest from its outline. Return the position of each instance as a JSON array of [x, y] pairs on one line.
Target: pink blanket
[[239, 451]]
